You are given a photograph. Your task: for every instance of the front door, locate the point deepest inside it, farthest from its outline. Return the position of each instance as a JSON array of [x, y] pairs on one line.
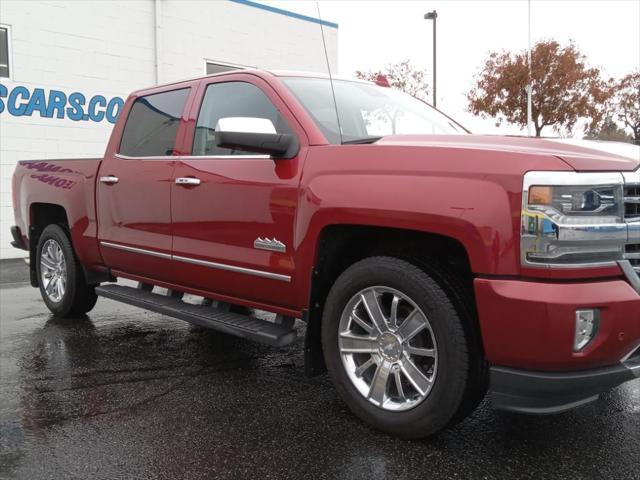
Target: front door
[[134, 188], [233, 212]]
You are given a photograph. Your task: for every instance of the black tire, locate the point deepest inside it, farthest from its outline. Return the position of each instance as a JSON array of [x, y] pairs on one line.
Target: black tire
[[449, 392], [79, 297], [464, 302]]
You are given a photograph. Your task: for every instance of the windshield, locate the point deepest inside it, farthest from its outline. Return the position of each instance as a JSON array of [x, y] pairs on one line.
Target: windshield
[[366, 111]]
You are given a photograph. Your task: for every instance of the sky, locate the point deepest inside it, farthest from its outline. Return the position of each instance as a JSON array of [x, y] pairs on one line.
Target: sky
[[373, 34]]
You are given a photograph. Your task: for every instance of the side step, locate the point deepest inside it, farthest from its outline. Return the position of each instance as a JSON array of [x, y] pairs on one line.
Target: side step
[[236, 324]]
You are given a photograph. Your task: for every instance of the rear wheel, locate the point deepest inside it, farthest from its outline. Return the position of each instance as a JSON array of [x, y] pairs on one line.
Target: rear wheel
[[60, 275], [395, 347]]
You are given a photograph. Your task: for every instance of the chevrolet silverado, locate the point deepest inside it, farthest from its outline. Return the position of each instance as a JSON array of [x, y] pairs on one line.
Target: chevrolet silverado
[[431, 266]]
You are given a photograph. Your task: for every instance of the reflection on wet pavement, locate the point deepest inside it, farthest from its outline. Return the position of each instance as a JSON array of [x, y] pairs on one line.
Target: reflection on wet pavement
[[124, 393]]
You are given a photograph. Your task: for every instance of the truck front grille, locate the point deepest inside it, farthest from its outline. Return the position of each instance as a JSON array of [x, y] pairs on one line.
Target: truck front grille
[[632, 217], [632, 202], [633, 255]]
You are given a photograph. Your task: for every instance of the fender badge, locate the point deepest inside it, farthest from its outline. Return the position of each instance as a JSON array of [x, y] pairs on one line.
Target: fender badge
[[273, 245]]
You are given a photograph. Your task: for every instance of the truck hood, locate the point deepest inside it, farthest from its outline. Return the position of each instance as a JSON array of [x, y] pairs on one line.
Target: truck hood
[[581, 155]]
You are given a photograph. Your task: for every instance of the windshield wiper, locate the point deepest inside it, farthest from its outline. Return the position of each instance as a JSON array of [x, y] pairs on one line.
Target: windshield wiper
[[361, 140]]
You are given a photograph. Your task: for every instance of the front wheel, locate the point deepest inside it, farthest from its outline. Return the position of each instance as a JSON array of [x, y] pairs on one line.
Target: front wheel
[[395, 347], [60, 275]]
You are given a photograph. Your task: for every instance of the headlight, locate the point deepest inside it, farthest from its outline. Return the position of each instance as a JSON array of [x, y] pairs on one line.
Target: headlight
[[572, 219], [600, 201]]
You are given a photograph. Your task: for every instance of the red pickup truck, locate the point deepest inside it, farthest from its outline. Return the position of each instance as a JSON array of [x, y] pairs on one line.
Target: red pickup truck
[[430, 265]]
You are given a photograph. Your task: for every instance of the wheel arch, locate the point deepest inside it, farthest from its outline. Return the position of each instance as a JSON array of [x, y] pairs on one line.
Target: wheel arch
[[339, 246], [84, 244], [40, 216]]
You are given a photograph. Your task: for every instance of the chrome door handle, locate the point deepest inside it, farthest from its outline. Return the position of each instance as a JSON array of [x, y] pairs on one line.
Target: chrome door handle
[[187, 181], [109, 179]]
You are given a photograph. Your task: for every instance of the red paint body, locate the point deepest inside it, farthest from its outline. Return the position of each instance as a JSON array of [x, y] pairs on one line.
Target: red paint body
[[467, 188], [529, 324]]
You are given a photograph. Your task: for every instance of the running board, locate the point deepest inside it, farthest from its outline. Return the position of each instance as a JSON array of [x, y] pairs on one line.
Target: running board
[[231, 323]]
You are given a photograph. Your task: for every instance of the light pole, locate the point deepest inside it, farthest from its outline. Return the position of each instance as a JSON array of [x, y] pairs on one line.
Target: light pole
[[433, 16], [529, 93]]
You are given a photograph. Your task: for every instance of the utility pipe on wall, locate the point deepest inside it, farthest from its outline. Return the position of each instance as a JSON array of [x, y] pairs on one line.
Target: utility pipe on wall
[[156, 41]]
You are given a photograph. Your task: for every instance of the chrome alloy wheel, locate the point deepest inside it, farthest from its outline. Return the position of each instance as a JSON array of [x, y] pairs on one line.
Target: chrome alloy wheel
[[53, 270], [388, 348]]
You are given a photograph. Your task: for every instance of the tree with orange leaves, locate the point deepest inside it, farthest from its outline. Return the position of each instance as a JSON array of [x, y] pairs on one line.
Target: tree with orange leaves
[[627, 103], [564, 88]]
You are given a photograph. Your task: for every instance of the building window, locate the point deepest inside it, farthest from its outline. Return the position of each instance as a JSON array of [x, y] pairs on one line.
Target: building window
[[217, 67], [4, 52]]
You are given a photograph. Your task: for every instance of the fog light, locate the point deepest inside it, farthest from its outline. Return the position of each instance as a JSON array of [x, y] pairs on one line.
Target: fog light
[[587, 322]]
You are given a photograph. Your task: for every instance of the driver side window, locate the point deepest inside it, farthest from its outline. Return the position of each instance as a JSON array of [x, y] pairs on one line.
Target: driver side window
[[231, 99]]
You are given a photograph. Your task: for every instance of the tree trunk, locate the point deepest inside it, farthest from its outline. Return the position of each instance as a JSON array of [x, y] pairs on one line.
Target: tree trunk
[[538, 130], [538, 123]]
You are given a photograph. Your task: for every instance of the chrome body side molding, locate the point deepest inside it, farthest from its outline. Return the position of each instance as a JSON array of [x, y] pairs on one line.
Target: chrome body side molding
[[203, 263], [233, 268], [142, 251]]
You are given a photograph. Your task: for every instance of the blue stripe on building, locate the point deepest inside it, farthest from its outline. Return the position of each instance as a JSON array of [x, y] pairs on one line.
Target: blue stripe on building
[[287, 13]]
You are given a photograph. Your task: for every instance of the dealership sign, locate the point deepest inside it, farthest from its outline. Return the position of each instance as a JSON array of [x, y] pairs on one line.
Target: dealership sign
[[20, 101]]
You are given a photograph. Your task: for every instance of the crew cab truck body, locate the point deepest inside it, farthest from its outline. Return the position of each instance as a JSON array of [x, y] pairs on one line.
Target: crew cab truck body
[[429, 267]]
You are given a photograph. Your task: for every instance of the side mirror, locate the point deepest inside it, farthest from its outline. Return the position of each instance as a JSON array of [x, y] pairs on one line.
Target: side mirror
[[256, 135]]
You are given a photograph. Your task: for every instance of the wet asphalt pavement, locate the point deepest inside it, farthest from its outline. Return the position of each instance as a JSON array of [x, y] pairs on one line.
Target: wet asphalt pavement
[[125, 393]]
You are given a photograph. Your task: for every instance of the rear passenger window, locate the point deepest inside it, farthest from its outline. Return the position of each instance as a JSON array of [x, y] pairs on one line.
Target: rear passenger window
[[232, 99], [152, 124]]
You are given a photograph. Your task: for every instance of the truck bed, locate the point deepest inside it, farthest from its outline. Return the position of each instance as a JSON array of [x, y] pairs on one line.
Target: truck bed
[[67, 183]]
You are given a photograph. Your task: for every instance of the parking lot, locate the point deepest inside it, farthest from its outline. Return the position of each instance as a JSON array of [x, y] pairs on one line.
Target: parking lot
[[124, 393]]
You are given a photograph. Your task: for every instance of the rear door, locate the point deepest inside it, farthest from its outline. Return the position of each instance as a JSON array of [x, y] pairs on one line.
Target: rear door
[[240, 199], [134, 187]]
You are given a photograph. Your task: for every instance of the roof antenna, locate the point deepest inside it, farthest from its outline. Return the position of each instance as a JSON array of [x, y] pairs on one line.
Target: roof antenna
[[326, 56]]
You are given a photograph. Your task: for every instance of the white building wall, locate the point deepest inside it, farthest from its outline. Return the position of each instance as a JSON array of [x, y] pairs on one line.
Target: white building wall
[[107, 48], [234, 33]]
